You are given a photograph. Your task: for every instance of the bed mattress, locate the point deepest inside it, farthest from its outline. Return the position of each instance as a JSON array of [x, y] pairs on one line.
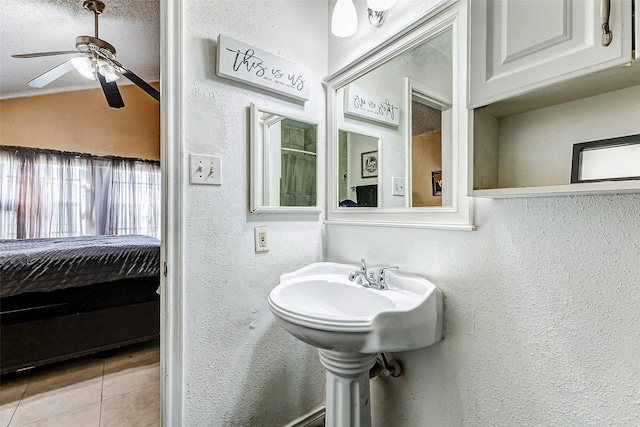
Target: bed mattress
[[43, 265]]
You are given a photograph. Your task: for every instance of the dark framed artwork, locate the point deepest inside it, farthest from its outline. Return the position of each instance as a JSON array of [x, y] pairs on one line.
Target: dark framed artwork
[[369, 164], [611, 159], [436, 182]]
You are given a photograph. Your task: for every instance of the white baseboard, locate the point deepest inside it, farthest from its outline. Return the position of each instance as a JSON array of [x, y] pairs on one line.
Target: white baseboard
[[314, 418]]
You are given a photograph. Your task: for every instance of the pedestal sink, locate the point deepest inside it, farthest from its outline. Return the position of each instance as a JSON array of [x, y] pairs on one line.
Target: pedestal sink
[[350, 324]]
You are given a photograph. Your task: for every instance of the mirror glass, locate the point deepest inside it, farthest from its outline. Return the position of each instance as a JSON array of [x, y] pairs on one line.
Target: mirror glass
[[357, 169], [283, 161], [429, 147], [408, 99], [399, 129]]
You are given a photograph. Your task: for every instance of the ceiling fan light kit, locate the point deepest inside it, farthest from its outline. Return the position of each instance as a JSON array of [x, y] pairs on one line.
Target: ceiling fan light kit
[[95, 60]]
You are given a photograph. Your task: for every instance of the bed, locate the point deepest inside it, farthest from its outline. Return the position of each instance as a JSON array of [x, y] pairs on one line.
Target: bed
[[68, 297]]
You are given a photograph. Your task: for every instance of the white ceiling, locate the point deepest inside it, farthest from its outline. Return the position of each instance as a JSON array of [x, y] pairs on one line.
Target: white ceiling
[[31, 26]]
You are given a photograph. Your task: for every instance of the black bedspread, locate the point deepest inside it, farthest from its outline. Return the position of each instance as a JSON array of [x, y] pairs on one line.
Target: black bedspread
[[36, 265]]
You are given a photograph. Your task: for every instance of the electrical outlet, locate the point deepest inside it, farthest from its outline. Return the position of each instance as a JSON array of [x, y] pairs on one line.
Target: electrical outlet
[[261, 239], [398, 186], [205, 169]]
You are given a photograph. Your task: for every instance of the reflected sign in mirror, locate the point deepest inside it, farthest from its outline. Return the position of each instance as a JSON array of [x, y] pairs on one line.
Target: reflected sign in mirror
[[283, 162]]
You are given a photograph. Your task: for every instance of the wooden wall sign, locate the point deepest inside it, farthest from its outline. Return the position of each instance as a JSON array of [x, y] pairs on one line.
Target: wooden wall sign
[[245, 64]]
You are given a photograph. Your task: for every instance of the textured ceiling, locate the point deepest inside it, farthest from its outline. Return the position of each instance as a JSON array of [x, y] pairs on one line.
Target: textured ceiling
[[30, 26]]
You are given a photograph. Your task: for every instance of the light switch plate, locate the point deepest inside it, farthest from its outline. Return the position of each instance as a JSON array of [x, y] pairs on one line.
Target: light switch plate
[[205, 169], [398, 186]]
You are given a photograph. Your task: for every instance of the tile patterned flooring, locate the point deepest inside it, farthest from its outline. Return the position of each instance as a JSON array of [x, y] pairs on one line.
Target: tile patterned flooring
[[118, 391]]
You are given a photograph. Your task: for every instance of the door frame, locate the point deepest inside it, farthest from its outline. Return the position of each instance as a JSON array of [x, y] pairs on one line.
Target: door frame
[[172, 213]]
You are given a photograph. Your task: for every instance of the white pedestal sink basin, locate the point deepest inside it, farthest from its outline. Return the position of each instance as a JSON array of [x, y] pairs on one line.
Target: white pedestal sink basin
[[350, 323]]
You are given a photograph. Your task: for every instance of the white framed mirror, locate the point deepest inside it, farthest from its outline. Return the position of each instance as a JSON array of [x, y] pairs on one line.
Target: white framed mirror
[[412, 93], [284, 162]]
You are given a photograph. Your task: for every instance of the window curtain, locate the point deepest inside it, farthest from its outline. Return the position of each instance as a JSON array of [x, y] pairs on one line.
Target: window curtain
[[56, 194]]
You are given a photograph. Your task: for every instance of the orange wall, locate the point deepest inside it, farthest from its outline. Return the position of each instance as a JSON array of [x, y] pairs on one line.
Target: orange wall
[[81, 121], [426, 156]]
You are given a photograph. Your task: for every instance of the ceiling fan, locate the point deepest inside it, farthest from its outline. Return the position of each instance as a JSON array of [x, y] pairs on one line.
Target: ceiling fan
[[95, 59]]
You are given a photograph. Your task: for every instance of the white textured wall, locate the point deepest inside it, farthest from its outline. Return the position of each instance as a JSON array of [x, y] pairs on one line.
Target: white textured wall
[[344, 50], [541, 317], [240, 368], [542, 303]]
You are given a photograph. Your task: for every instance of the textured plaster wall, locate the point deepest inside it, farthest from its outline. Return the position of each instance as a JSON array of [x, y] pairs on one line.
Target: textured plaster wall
[[240, 368], [344, 50], [541, 317], [542, 303]]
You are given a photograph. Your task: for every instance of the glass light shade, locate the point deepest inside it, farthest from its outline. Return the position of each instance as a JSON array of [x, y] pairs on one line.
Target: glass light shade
[[107, 71], [84, 66], [344, 21], [380, 4]]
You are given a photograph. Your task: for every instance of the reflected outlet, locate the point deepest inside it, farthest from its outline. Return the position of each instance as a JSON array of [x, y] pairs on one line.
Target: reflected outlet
[[398, 186]]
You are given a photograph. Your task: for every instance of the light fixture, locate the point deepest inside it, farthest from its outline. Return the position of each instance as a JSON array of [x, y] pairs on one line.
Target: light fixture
[[87, 66], [377, 10], [107, 71], [344, 21]]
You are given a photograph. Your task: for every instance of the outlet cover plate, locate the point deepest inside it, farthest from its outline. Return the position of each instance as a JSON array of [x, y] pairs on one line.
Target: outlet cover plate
[[261, 235]]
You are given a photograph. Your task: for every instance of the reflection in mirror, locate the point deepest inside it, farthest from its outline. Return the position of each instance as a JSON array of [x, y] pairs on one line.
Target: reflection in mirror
[[409, 93], [357, 169], [284, 161], [430, 120], [415, 159]]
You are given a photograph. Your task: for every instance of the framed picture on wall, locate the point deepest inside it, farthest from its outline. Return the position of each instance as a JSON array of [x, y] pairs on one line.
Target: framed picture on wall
[[436, 182], [369, 162], [606, 160]]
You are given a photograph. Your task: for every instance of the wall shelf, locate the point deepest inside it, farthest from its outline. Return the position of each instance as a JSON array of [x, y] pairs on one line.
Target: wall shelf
[[529, 154], [604, 187]]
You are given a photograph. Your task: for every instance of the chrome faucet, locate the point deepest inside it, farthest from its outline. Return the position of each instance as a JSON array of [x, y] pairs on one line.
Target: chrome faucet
[[362, 276], [369, 279]]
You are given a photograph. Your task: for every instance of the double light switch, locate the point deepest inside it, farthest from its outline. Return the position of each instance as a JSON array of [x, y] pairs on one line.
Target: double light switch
[[205, 169]]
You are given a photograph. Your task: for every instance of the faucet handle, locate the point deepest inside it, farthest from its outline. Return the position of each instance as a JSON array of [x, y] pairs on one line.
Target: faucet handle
[[383, 272], [363, 265]]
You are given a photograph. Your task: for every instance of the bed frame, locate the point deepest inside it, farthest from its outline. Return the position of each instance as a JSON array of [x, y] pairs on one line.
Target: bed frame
[[42, 328]]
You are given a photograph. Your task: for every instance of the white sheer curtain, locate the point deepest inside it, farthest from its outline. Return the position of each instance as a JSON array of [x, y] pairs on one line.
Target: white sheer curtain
[[50, 194]]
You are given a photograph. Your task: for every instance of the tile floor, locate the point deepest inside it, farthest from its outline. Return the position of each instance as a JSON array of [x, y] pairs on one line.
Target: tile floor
[[122, 390]]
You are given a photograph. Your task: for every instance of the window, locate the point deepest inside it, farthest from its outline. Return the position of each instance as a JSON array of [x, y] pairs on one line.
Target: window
[[56, 194]]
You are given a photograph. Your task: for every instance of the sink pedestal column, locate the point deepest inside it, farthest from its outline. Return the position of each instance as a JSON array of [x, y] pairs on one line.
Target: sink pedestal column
[[348, 403]]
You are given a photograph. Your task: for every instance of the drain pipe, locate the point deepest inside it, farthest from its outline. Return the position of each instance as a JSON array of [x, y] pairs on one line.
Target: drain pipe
[[384, 369]]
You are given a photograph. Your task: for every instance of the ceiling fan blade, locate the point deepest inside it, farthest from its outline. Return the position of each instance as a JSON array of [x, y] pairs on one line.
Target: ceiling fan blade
[[111, 92], [54, 73], [36, 55], [141, 83]]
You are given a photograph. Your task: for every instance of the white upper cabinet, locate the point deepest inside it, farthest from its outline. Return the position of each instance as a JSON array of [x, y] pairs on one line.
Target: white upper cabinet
[[518, 46]]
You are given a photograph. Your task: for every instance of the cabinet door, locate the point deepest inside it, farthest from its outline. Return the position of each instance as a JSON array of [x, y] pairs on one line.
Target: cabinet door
[[517, 46]]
